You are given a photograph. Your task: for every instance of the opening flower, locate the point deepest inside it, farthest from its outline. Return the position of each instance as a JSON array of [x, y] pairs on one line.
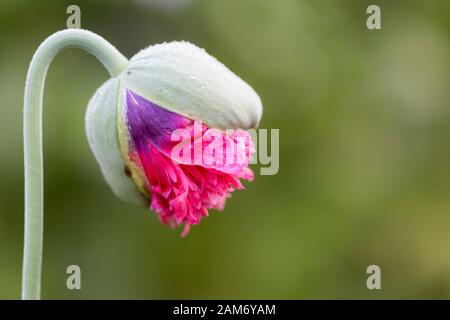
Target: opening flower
[[161, 132], [167, 93]]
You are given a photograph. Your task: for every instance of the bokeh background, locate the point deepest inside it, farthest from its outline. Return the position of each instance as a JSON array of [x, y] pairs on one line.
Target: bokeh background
[[364, 176]]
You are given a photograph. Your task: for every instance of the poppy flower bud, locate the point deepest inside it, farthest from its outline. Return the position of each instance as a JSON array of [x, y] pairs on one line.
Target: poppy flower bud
[[134, 123]]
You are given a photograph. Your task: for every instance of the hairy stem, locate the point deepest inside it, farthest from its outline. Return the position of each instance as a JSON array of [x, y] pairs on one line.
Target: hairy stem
[[114, 61]]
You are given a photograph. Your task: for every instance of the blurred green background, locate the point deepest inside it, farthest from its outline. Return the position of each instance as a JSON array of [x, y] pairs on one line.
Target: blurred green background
[[364, 176]]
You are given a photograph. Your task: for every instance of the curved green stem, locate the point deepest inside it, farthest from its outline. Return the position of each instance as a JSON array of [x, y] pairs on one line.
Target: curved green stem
[[115, 62]]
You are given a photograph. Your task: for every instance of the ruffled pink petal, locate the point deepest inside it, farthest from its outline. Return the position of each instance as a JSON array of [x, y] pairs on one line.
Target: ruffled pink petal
[[185, 185]]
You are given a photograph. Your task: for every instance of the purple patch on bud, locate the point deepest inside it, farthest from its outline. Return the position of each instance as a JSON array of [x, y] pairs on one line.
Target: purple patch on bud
[[149, 123]]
